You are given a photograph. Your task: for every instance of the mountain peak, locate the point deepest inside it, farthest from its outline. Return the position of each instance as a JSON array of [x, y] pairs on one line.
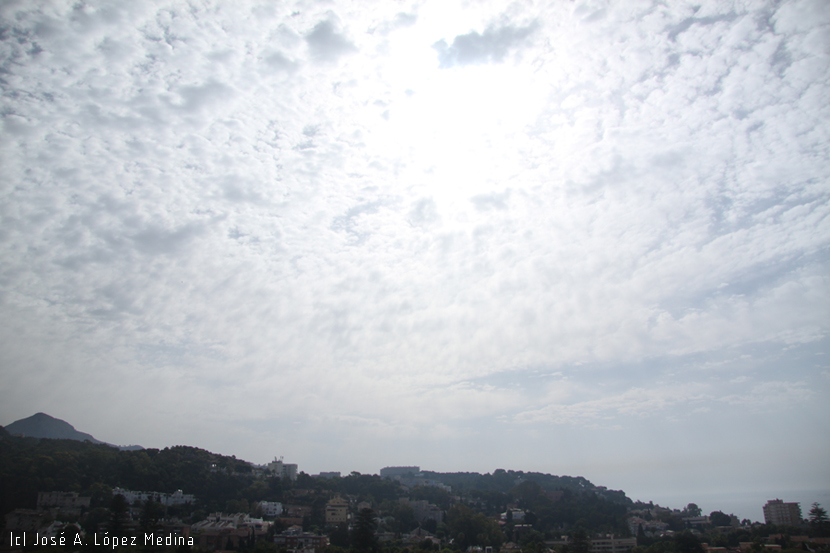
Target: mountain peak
[[41, 425]]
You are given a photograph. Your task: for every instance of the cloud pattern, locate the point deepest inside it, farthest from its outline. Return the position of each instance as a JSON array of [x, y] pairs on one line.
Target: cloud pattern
[[488, 47]]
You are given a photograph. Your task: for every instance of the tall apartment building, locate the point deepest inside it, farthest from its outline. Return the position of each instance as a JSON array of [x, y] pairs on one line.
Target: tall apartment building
[[283, 470], [782, 514]]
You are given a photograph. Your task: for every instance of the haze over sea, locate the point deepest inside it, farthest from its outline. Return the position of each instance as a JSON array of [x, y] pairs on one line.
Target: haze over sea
[[743, 504]]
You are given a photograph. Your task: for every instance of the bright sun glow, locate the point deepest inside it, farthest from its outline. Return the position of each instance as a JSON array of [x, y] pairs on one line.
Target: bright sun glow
[[459, 125]]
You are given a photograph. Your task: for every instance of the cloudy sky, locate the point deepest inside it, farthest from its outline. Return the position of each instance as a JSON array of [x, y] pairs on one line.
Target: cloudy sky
[[587, 238]]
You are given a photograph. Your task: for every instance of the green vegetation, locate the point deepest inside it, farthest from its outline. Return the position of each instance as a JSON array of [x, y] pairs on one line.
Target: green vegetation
[[30, 465], [818, 520], [468, 528], [550, 504], [364, 538], [505, 480]]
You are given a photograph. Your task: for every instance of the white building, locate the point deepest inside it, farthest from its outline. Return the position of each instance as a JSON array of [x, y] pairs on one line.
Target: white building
[[651, 528], [271, 508], [611, 544], [65, 501], [175, 498], [283, 470], [516, 515]]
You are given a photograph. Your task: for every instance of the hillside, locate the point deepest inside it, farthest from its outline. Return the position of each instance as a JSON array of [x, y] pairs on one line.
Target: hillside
[[504, 480], [41, 425], [28, 466]]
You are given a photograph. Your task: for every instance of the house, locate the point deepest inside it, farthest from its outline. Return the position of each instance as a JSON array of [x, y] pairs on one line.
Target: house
[[25, 520], [516, 515], [419, 535], [220, 531], [650, 527], [271, 509], [62, 502], [600, 544], [611, 544], [295, 540], [337, 511], [424, 510]]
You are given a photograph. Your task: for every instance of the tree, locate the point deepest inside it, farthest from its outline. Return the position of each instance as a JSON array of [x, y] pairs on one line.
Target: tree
[[817, 514], [818, 518], [430, 525], [718, 518], [404, 516], [642, 539], [581, 542], [71, 533], [468, 528], [659, 546], [151, 513], [533, 542], [118, 514], [692, 510], [100, 494], [686, 542], [339, 535], [364, 539]]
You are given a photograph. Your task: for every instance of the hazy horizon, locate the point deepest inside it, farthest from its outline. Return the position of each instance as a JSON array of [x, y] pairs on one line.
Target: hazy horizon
[[743, 504], [586, 238], [747, 504]]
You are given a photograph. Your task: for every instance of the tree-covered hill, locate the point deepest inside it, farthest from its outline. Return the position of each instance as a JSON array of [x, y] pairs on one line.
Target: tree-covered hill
[[551, 503], [31, 465], [504, 480]]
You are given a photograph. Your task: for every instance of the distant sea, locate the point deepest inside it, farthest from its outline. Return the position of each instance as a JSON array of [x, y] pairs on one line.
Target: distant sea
[[744, 504]]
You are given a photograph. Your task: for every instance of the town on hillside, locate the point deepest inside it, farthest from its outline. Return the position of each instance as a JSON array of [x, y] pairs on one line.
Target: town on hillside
[[82, 496]]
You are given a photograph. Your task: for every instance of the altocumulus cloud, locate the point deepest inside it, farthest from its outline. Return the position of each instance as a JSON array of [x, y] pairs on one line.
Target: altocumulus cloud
[[490, 46], [326, 43]]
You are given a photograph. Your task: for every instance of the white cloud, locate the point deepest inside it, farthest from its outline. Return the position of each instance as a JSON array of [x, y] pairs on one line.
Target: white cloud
[[490, 46], [326, 43]]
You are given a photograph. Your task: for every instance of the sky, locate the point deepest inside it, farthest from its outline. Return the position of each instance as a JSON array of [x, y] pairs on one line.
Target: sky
[[584, 238]]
